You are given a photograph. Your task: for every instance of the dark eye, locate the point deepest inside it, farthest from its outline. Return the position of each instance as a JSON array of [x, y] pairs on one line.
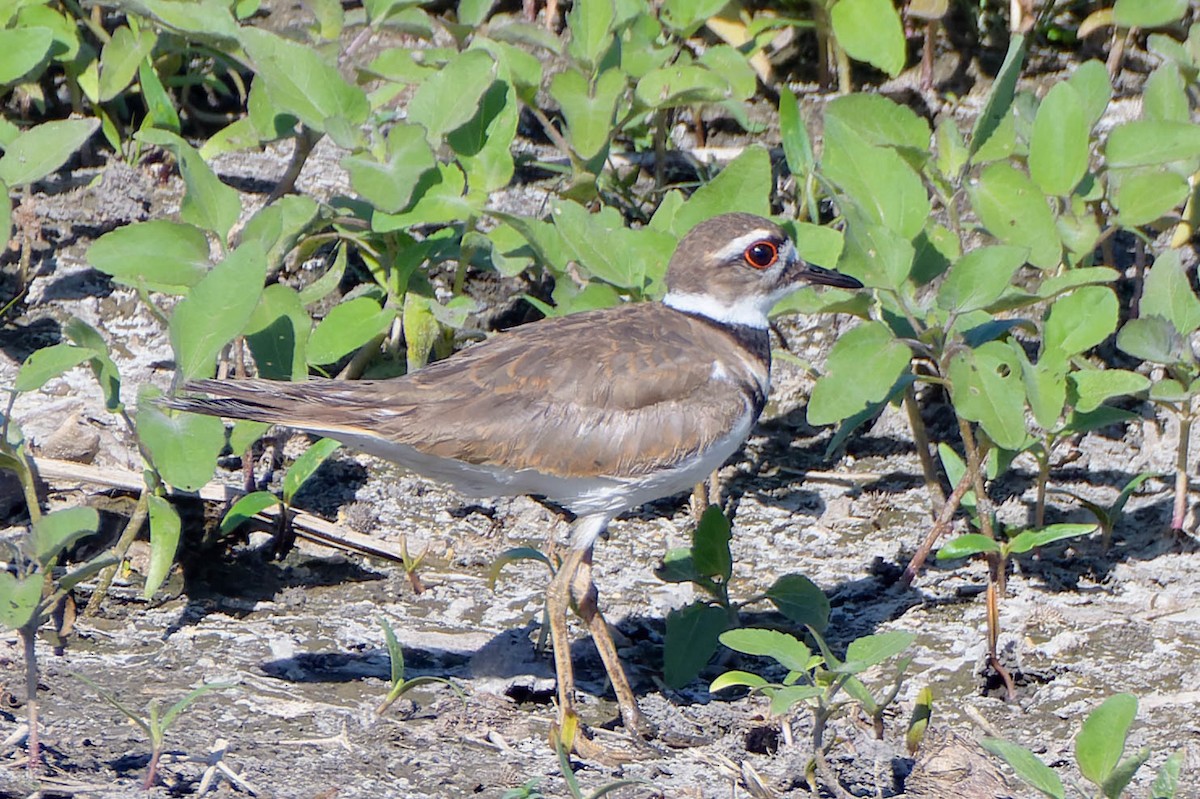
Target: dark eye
[[761, 254]]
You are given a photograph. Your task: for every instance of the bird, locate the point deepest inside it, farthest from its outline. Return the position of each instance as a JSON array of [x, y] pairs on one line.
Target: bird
[[598, 412]]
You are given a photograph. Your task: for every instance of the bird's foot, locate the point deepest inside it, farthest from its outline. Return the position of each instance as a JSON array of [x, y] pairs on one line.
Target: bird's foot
[[604, 746]]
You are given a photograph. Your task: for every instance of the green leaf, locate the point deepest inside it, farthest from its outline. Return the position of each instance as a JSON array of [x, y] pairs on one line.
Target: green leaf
[[1154, 339], [967, 545], [1045, 387], [1101, 739], [783, 699], [512, 556], [979, 278], [465, 78], [106, 372], [208, 203], [588, 111], [1114, 787], [880, 183], [207, 19], [736, 679], [1080, 320], [1032, 539], [1148, 13], [744, 185], [870, 31], [987, 387], [389, 185], [1094, 386], [1001, 96], [1058, 149], [120, 58], [602, 245], [877, 120], [797, 145], [861, 369], [681, 84], [878, 256], [245, 509], [217, 309], [323, 286], [1090, 80], [21, 50], [1166, 782], [19, 599], [58, 530], [799, 598], [685, 16], [277, 334], [160, 254], [1027, 766], [421, 329], [871, 650], [305, 466], [1165, 97], [677, 567], [590, 22], [183, 446], [164, 543], [1150, 142], [790, 651], [47, 363], [1014, 210], [1168, 293], [710, 545], [691, 639], [346, 327], [1145, 197], [42, 149], [301, 82]]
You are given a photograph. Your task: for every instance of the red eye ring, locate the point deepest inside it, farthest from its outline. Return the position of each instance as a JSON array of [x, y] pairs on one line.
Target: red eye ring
[[761, 254]]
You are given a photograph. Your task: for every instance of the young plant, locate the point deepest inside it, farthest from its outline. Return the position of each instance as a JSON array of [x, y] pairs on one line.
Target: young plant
[[1099, 750], [1168, 315], [693, 632], [152, 723], [296, 476], [1107, 517], [399, 685], [817, 681], [997, 553]]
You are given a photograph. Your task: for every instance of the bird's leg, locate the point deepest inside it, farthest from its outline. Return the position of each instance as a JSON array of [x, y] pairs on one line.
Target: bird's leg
[[558, 599], [583, 591]]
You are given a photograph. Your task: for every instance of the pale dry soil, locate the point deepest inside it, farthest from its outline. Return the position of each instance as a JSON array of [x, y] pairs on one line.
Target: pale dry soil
[[301, 641]]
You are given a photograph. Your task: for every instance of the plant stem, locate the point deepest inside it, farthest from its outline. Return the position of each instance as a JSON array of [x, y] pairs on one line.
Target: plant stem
[[940, 525], [921, 440], [1181, 472], [29, 639], [136, 520], [1039, 507]]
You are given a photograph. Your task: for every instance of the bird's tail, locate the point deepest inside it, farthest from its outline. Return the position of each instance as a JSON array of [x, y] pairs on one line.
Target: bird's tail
[[271, 401]]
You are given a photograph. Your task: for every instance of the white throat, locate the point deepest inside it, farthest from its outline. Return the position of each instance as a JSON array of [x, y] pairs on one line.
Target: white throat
[[749, 311]]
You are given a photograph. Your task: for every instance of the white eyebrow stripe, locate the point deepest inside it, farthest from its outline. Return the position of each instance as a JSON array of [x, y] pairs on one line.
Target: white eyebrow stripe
[[738, 246]]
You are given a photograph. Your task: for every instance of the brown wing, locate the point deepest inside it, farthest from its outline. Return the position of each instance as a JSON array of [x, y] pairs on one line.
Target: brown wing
[[564, 396]]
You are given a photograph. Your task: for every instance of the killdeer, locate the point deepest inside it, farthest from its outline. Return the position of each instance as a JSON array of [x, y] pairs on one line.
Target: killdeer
[[598, 412]]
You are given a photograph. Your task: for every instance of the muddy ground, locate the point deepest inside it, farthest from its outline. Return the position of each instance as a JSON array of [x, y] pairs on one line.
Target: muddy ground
[[301, 643]]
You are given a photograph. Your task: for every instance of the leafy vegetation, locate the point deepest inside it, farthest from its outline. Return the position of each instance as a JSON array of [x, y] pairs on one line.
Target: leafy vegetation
[[990, 254]]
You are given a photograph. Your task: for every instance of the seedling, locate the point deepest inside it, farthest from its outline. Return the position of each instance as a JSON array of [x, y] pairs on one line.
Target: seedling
[[997, 553], [1099, 750], [693, 632], [816, 680], [1107, 517], [152, 723], [296, 476], [399, 685]]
